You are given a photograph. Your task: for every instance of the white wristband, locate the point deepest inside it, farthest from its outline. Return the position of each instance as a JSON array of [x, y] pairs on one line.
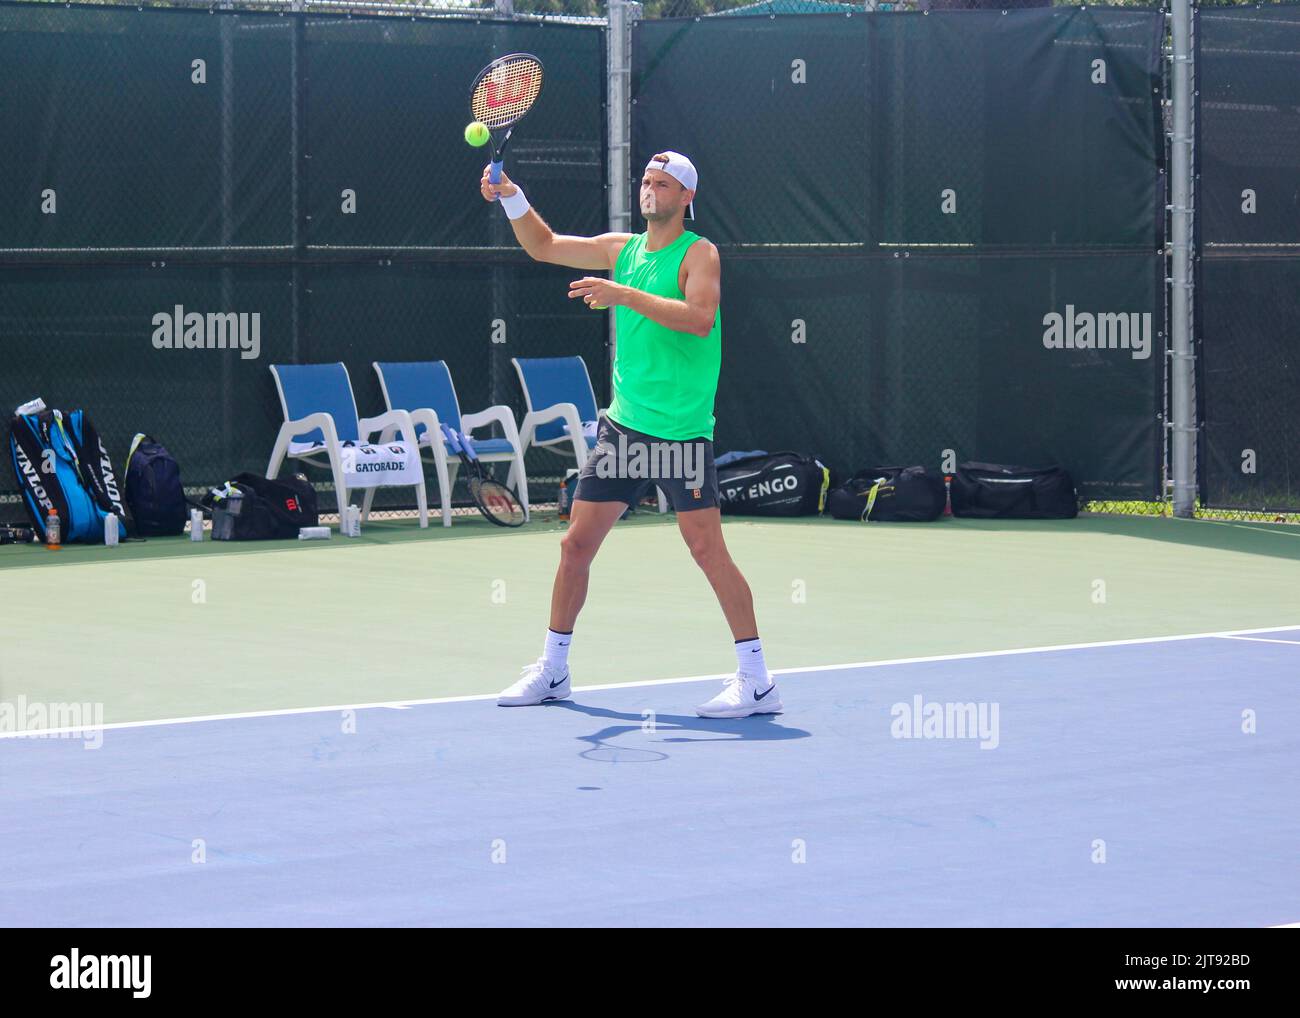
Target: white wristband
[[516, 205]]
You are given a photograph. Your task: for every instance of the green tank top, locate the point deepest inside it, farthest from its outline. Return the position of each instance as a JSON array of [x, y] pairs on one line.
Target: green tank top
[[664, 381]]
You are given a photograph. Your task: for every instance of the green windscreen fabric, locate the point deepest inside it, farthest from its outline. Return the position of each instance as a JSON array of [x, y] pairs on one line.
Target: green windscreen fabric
[[903, 204], [1248, 284], [1249, 382], [868, 361], [387, 102], [91, 337], [153, 129], [823, 129], [305, 173], [940, 234]]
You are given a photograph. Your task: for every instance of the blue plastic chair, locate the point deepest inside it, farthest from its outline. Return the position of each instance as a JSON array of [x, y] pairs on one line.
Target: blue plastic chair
[[424, 390], [560, 399], [320, 414]]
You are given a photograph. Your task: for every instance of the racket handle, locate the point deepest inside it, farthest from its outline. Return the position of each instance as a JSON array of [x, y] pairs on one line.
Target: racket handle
[[449, 437], [494, 171]]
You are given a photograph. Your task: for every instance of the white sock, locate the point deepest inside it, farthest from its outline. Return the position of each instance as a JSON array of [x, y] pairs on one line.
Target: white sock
[[749, 659], [556, 654]]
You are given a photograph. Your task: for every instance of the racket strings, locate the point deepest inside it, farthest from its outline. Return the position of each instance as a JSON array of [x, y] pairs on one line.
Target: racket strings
[[506, 93], [497, 501]]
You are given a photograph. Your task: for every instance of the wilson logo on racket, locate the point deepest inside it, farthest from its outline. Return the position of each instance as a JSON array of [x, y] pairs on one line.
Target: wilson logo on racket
[[520, 82]]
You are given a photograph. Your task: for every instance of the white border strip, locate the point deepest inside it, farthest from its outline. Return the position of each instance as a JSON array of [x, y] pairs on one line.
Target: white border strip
[[1260, 639], [403, 704]]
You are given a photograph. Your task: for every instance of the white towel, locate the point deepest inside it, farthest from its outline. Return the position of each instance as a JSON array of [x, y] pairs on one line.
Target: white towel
[[371, 466], [589, 429]]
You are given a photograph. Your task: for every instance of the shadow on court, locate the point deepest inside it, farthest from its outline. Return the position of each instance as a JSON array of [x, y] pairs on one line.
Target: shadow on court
[[669, 728]]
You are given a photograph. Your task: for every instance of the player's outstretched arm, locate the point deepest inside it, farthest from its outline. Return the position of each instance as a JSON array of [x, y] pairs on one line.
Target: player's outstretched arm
[[543, 245]]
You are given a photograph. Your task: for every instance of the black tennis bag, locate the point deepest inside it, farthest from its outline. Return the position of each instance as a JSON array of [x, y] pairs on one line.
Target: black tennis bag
[[263, 509], [889, 495], [993, 491], [773, 484]]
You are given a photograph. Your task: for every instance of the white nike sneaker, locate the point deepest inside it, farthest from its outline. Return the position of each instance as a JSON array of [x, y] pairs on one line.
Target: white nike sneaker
[[742, 696], [538, 683]]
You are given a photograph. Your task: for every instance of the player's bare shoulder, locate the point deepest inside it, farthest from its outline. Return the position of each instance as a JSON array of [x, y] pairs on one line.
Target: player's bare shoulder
[[614, 244], [703, 252], [701, 261]]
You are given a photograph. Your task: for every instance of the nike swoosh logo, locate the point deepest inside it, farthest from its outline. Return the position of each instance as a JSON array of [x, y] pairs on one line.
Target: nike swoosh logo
[[759, 696], [560, 683]]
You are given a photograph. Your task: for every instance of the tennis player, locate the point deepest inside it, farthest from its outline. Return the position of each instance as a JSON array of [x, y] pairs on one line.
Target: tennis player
[[665, 291]]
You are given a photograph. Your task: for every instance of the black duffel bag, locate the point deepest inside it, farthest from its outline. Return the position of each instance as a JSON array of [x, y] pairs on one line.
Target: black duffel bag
[[773, 484], [249, 507], [993, 491], [889, 495]]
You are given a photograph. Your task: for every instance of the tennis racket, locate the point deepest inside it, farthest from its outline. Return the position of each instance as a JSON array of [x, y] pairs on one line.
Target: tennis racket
[[492, 498], [502, 93]]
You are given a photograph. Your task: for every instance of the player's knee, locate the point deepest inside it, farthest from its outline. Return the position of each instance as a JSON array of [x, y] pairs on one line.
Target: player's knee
[[709, 554], [576, 549]]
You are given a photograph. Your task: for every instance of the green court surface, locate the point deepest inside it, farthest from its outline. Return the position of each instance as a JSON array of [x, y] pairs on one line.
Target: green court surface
[[167, 628]]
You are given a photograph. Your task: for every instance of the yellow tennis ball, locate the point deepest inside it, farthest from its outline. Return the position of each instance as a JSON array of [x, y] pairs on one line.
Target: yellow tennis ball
[[476, 133]]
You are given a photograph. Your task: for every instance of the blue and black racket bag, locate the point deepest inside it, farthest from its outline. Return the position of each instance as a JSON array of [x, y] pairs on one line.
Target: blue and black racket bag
[[61, 463]]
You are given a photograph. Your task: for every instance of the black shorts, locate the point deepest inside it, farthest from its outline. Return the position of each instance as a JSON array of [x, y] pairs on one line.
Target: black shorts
[[626, 464]]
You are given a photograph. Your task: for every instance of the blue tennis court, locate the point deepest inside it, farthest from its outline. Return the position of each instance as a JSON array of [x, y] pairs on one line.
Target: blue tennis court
[[1135, 783]]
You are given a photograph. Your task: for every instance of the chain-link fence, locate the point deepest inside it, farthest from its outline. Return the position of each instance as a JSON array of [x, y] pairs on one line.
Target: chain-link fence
[[705, 8], [299, 161], [299, 168], [936, 309], [1248, 242], [903, 204]]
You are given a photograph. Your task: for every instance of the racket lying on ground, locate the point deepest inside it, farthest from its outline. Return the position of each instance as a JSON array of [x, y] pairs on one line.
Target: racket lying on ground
[[502, 93], [492, 498]]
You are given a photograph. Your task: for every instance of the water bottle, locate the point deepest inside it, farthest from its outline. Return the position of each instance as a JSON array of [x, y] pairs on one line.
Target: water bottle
[[110, 531], [564, 501], [947, 494], [53, 532], [350, 522], [196, 524]]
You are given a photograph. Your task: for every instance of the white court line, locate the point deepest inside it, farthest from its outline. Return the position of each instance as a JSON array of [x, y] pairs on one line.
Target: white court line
[[1260, 639], [402, 704]]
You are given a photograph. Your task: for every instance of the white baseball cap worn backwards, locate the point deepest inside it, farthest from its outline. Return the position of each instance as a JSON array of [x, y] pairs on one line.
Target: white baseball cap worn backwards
[[680, 169]]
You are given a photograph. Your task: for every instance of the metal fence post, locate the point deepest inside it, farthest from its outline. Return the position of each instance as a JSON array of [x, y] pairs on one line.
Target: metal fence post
[[1182, 376], [621, 16], [297, 179]]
